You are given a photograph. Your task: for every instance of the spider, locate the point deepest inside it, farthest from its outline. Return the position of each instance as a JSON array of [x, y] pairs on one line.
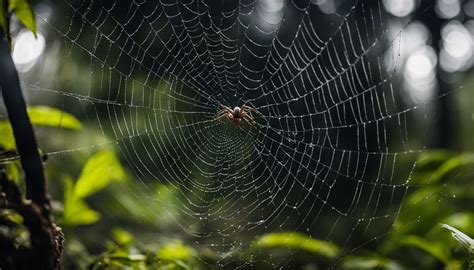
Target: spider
[[238, 114]]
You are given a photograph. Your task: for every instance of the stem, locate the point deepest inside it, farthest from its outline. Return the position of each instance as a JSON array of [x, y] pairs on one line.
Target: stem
[[22, 129]]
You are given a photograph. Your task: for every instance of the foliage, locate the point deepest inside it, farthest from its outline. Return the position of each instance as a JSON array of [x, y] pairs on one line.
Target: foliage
[[439, 194], [39, 116], [297, 241], [99, 171], [464, 241], [22, 10], [369, 262], [440, 179], [461, 237], [417, 240]]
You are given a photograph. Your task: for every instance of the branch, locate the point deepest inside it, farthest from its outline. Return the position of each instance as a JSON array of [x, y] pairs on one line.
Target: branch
[[22, 130], [46, 238]]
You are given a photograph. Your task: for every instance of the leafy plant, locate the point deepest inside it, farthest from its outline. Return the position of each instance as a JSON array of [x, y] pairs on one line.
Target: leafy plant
[[39, 116], [101, 169], [416, 240], [295, 240], [122, 254], [176, 255], [440, 194], [372, 261], [22, 10], [463, 240]]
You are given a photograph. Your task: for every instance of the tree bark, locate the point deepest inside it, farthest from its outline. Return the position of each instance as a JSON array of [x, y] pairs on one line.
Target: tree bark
[[46, 238], [22, 129]]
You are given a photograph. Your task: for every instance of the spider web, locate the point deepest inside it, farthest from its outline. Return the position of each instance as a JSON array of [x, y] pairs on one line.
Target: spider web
[[334, 144]]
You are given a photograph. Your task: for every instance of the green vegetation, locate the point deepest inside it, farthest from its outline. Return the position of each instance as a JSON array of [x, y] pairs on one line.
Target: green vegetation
[[22, 10], [108, 226], [440, 194]]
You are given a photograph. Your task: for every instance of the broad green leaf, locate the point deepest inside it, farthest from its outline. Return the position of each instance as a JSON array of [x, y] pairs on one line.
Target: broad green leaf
[[461, 237], [432, 158], [7, 141], [455, 265], [122, 237], [39, 116], [298, 241], [101, 169], [11, 216], [125, 256], [183, 265], [451, 165], [369, 262], [24, 13], [68, 189], [426, 164], [121, 259], [79, 213], [13, 171], [435, 249], [76, 211], [176, 251], [47, 116]]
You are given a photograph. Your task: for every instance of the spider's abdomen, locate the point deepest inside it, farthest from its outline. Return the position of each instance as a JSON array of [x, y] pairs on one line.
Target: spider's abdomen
[[236, 112]]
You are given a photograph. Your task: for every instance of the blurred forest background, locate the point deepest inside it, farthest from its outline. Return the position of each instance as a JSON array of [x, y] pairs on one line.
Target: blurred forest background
[[115, 216]]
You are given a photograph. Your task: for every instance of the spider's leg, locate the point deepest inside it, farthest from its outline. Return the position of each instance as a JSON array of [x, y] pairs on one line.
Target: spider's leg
[[249, 117], [248, 107], [226, 108], [249, 113], [219, 117], [222, 115], [249, 121], [251, 109]]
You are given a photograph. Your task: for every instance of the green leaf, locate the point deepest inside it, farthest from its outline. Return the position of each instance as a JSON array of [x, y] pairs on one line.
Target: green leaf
[[298, 241], [435, 249], [24, 13], [183, 265], [7, 141], [125, 256], [99, 171], [121, 259], [13, 171], [79, 213], [48, 116], [370, 262], [461, 237], [432, 158], [122, 237], [76, 211], [451, 165], [39, 116], [176, 251]]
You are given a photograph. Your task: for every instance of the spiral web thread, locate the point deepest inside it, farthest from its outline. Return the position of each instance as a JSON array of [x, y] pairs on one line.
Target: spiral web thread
[[334, 144]]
